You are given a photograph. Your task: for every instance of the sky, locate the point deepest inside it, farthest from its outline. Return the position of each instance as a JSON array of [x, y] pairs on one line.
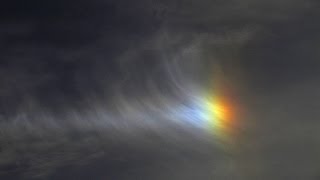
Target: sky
[[161, 90]]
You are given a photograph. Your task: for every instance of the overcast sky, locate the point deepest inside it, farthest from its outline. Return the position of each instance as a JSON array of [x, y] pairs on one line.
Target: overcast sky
[[87, 88]]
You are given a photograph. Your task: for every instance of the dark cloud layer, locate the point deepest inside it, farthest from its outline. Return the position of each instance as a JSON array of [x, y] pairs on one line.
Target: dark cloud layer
[[80, 79]]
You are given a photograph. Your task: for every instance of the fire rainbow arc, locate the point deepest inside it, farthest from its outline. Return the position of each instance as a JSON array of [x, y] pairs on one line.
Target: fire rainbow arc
[[216, 110], [214, 114], [219, 115]]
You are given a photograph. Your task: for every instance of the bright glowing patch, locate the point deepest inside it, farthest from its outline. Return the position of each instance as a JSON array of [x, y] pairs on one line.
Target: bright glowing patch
[[218, 112], [193, 114], [210, 113]]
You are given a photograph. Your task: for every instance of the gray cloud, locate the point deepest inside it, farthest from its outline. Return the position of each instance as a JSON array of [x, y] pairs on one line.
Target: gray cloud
[[87, 88]]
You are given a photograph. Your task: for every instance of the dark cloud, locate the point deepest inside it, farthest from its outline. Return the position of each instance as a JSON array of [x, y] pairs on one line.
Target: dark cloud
[[87, 88]]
